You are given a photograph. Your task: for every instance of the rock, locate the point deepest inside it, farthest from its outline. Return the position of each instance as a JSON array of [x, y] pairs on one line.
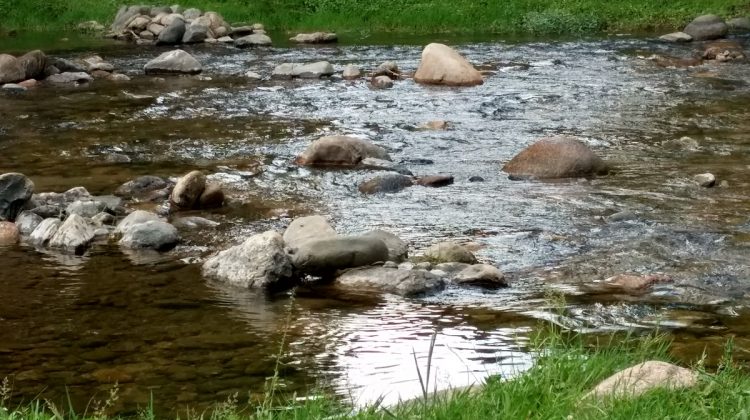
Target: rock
[[306, 229], [381, 82], [476, 178], [95, 63], [642, 378], [259, 262], [44, 232], [385, 165], [676, 37], [425, 265], [449, 252], [241, 31], [27, 221], [315, 38], [193, 222], [155, 29], [15, 190], [135, 218], [10, 69], [170, 19], [555, 157], [739, 24], [176, 8], [387, 68], [634, 283], [127, 14], [9, 234], [306, 71], [434, 125], [435, 181], [340, 151], [325, 256], [195, 33], [706, 27], [215, 22], [69, 78], [86, 209], [675, 62], [442, 65], [75, 234], [152, 234], [724, 51], [13, 87], [481, 275], [172, 33], [67, 66], [398, 250], [188, 190], [33, 64], [392, 280], [140, 186], [351, 72], [254, 40], [160, 10], [706, 180], [212, 197], [139, 23], [90, 26], [103, 219], [388, 183], [175, 61], [192, 13], [251, 74]]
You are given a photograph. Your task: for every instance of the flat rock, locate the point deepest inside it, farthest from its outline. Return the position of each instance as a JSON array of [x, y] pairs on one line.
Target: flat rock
[[392, 280], [315, 38], [44, 232], [173, 62], [254, 40], [555, 157], [340, 151], [86, 208], [69, 78], [642, 378], [141, 186], [305, 71], [435, 181], [398, 250], [676, 37], [135, 218], [326, 256]]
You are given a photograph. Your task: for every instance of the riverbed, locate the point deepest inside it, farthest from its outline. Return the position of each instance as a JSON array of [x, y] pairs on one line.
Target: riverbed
[[74, 325]]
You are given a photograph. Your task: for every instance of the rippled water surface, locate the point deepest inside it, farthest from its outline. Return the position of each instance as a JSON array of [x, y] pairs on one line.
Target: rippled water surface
[[77, 324]]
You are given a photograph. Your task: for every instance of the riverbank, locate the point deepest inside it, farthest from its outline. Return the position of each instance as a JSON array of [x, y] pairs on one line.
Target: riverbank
[[567, 368], [538, 17]]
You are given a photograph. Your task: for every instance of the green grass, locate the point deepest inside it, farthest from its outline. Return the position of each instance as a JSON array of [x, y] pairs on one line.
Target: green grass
[[567, 368], [407, 16]]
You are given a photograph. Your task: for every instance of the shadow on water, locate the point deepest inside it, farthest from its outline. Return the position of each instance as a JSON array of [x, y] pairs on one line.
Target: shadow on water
[[152, 324]]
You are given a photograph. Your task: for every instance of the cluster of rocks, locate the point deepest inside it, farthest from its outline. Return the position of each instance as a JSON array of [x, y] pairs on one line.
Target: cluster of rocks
[[373, 260], [26, 71], [708, 27]]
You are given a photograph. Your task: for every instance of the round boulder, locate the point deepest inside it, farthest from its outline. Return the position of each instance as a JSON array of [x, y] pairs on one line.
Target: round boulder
[[707, 27], [340, 151], [152, 234], [555, 157], [306, 229], [188, 190], [174, 62], [388, 183], [442, 65], [445, 252], [33, 64]]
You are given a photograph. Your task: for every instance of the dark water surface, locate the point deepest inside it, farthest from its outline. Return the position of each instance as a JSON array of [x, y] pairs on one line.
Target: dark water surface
[[76, 325]]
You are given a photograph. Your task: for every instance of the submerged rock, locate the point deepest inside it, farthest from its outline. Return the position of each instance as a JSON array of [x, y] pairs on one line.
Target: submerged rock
[[555, 157], [435, 125], [69, 78], [325, 256], [445, 252], [435, 181], [707, 27], [706, 180], [381, 82], [340, 151], [15, 190], [724, 51], [152, 234], [173, 62], [392, 280], [141, 186], [259, 262], [642, 378], [442, 65], [9, 233]]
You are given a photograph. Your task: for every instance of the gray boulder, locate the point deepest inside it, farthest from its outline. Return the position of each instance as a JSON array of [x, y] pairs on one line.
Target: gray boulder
[[481, 275], [69, 78], [44, 232], [254, 40], [10, 69], [15, 190], [126, 14], [173, 62], [326, 256], [340, 151], [135, 218], [739, 24], [387, 183], [188, 190], [192, 13], [74, 235], [351, 72], [27, 221], [392, 280], [86, 208], [33, 64], [315, 38], [305, 71], [398, 250], [259, 262], [306, 229], [67, 66], [195, 33], [707, 27], [103, 219], [444, 252], [172, 33], [152, 234]]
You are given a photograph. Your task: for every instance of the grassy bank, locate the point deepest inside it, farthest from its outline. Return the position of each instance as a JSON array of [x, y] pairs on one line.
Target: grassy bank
[[413, 16], [553, 389]]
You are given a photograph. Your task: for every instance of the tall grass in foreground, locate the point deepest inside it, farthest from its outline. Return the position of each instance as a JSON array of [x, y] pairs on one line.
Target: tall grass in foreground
[[567, 368], [409, 16]]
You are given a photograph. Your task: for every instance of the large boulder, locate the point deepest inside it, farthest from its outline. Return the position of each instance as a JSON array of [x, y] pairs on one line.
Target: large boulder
[[254, 40], [33, 64], [172, 33], [555, 157], [9, 234], [445, 252], [188, 190], [15, 190], [707, 27], [44, 232], [340, 151], [306, 229], [386, 183], [481, 275], [642, 378], [398, 250], [305, 71], [10, 69], [442, 65], [74, 235], [326, 256], [260, 262], [391, 280], [315, 38], [175, 62], [152, 234], [135, 218]]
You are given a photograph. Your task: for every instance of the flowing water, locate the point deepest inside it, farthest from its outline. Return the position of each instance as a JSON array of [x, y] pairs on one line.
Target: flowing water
[[73, 325]]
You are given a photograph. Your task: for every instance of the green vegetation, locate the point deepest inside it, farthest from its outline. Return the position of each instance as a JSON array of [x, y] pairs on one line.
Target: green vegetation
[[566, 369], [407, 16]]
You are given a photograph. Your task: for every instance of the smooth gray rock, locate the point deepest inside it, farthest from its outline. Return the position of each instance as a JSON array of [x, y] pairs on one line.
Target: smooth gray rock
[[74, 235], [69, 78], [306, 229], [449, 252], [676, 37], [315, 38], [33, 64], [739, 24], [481, 275], [305, 71], [259, 262], [381, 82], [398, 250], [192, 13], [126, 14], [172, 33], [103, 219], [14, 87], [325, 256], [193, 222], [135, 218], [43, 233], [86, 209], [15, 191], [195, 33], [392, 280], [27, 221], [706, 180], [173, 62], [153, 234], [67, 66], [254, 40], [707, 27]]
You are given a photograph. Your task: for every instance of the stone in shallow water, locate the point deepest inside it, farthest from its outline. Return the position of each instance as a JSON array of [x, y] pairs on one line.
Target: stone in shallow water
[[74, 235], [481, 275], [555, 157], [135, 218], [325, 256], [387, 183], [173, 62], [254, 40], [707, 27], [306, 229], [392, 280], [706, 180], [27, 221], [676, 37], [153, 234], [44, 232], [449, 252], [340, 151]]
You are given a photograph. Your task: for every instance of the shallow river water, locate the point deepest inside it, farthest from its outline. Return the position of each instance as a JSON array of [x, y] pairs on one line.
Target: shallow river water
[[74, 325]]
